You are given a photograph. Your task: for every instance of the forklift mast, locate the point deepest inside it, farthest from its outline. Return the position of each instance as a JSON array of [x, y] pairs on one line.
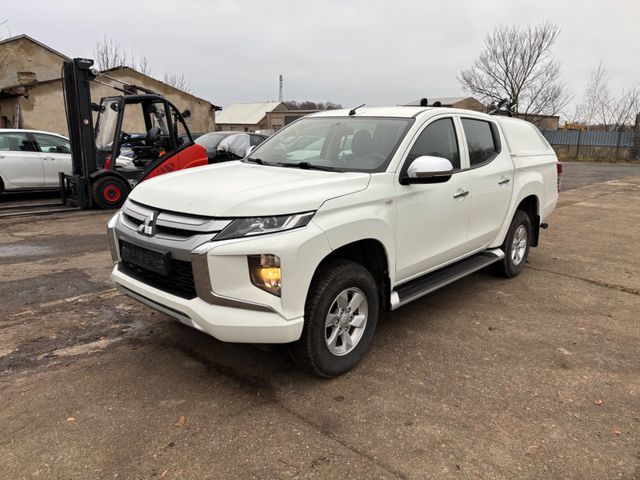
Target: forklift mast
[[76, 78]]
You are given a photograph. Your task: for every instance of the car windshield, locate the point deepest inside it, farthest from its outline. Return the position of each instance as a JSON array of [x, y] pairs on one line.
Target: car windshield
[[360, 144], [210, 140]]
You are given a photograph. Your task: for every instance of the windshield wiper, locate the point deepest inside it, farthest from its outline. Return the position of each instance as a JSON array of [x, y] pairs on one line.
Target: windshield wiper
[[259, 161], [308, 166]]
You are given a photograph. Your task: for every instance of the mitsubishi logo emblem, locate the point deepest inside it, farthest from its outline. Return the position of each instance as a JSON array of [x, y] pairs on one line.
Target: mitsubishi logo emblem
[[148, 227]]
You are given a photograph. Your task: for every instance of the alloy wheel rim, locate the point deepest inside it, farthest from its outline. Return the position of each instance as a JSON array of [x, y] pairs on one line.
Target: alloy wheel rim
[[346, 321], [519, 245]]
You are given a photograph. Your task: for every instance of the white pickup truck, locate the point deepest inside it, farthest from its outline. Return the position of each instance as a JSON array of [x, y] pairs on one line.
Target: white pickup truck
[[335, 217]]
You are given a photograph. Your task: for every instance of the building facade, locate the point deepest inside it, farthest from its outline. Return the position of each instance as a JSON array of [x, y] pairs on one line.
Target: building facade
[[31, 93], [251, 117]]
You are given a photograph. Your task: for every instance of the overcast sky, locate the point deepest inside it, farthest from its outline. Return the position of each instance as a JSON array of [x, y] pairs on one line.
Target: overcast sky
[[349, 52]]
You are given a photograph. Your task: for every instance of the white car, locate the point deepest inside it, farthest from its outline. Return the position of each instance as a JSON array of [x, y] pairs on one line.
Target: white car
[[31, 159], [333, 218]]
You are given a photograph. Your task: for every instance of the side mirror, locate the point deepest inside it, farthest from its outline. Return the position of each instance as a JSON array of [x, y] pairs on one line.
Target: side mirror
[[428, 169]]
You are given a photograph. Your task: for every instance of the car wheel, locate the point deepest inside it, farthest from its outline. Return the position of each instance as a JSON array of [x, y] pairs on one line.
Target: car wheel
[[340, 319], [516, 245], [109, 192]]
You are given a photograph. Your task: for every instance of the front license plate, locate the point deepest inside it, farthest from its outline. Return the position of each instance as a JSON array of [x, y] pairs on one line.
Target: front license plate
[[143, 257]]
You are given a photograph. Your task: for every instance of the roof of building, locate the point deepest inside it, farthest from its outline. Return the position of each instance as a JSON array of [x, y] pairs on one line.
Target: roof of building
[[444, 101], [21, 88], [125, 68], [245, 113], [19, 37]]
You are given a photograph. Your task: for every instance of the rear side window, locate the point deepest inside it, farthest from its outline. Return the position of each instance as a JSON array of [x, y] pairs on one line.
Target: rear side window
[[437, 140], [480, 140], [51, 144], [15, 142]]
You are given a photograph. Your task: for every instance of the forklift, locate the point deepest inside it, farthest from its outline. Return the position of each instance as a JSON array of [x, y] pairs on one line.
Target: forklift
[[101, 177]]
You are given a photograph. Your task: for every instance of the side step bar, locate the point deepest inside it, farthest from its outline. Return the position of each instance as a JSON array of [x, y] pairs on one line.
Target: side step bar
[[432, 281]]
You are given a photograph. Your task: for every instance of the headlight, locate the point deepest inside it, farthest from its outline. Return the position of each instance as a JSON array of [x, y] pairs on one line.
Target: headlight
[[246, 227]]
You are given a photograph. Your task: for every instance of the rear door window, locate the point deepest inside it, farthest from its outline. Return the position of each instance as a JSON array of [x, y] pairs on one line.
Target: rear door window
[[480, 141], [15, 142], [52, 144]]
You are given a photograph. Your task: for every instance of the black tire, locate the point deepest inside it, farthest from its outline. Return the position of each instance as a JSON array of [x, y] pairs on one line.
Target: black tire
[[311, 352], [109, 192], [512, 264]]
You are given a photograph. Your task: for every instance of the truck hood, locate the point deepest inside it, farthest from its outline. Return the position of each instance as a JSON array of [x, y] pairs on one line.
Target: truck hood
[[236, 189]]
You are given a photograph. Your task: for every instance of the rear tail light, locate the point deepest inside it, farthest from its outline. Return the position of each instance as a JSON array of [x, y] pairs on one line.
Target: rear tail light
[[107, 162], [559, 170]]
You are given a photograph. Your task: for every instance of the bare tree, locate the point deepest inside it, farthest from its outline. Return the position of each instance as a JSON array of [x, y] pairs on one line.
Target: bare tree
[[177, 81], [601, 105], [108, 54], [141, 64], [309, 105], [3, 56], [517, 64]]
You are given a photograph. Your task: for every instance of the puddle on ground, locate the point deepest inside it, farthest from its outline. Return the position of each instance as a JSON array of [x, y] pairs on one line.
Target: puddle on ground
[[22, 250]]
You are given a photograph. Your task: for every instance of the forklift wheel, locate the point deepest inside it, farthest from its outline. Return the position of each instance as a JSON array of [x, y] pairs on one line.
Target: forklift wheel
[[109, 192]]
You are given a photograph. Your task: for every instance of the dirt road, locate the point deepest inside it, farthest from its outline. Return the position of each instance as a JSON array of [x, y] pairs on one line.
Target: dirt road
[[536, 377]]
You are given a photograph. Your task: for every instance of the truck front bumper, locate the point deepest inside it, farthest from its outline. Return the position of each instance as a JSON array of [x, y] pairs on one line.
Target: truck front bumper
[[228, 324]]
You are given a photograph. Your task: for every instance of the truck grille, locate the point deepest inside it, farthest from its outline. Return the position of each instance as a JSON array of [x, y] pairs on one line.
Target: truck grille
[[179, 280], [169, 225]]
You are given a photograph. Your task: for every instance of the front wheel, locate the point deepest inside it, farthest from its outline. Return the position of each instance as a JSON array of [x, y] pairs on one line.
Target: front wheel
[[516, 245], [109, 192], [341, 314]]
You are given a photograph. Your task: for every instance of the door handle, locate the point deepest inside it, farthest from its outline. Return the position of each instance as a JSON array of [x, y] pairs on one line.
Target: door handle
[[461, 194], [49, 158], [504, 181]]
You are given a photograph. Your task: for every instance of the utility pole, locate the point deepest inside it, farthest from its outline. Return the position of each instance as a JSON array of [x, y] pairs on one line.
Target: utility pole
[[280, 94], [636, 139]]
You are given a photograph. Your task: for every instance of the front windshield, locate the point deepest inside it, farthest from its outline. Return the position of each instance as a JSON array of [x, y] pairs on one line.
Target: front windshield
[[235, 146], [363, 144], [210, 140], [159, 117], [106, 124]]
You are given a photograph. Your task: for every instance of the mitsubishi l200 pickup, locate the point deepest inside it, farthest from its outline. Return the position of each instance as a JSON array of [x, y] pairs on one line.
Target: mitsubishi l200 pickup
[[335, 217]]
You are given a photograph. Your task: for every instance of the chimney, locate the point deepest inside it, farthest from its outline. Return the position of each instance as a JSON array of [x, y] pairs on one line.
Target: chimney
[[26, 77]]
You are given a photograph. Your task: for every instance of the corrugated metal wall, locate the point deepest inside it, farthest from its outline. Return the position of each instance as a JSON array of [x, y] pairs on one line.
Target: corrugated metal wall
[[592, 138]]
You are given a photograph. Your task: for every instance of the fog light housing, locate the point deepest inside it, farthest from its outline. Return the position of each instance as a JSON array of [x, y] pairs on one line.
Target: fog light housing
[[264, 271], [113, 240]]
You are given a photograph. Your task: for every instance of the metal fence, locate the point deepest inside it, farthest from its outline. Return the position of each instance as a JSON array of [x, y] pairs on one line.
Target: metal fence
[[592, 138]]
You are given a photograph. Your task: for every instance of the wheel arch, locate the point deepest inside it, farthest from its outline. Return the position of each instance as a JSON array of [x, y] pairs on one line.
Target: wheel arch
[[371, 254], [98, 174], [528, 192]]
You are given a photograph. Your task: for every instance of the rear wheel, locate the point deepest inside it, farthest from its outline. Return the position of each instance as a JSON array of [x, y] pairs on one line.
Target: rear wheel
[[516, 245], [109, 192], [341, 314]]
